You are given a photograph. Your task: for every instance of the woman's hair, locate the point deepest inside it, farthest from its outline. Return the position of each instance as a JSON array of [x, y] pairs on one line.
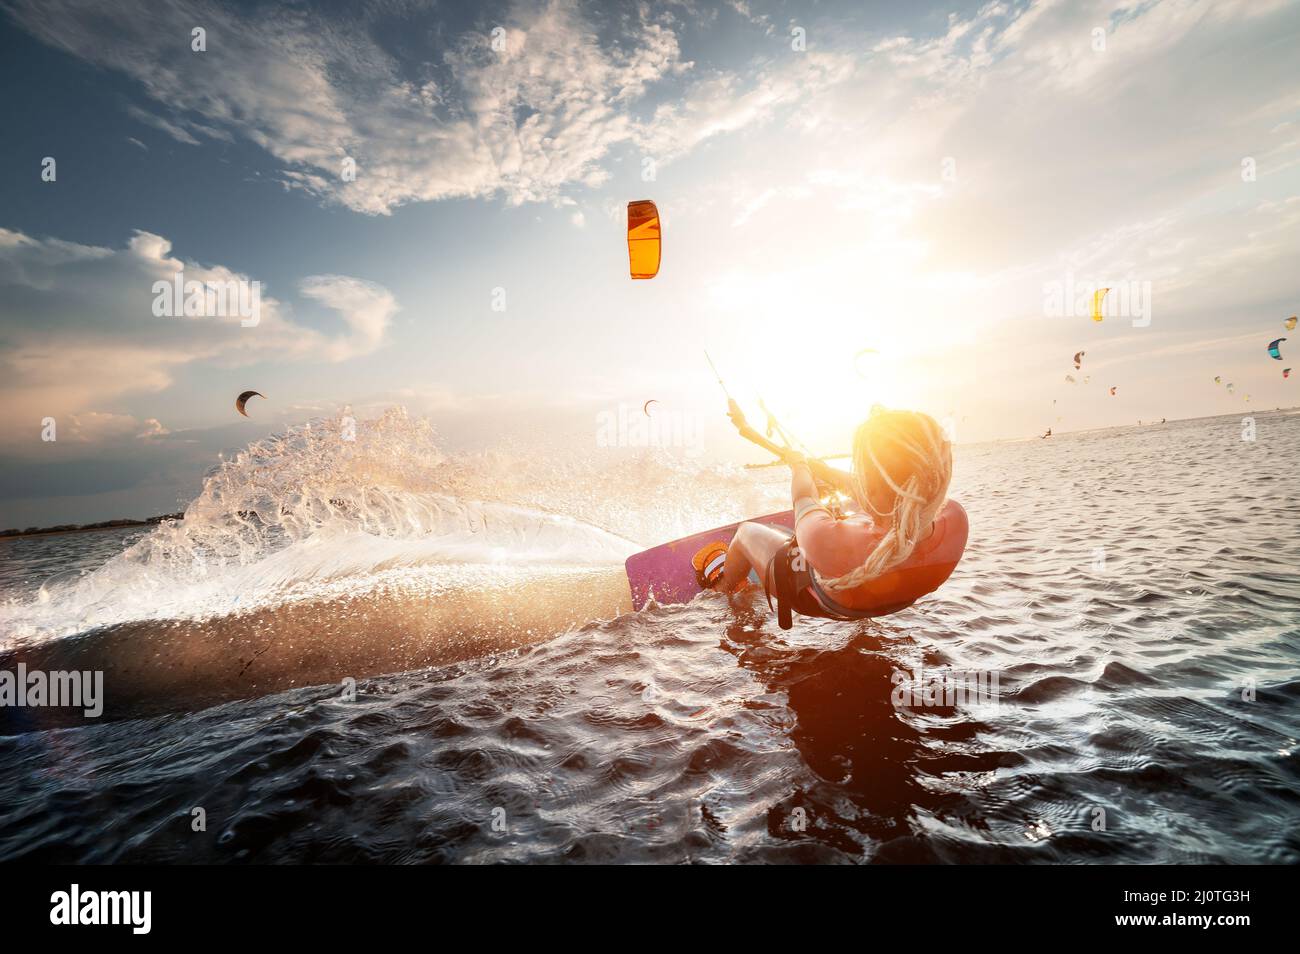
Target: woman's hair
[[908, 452]]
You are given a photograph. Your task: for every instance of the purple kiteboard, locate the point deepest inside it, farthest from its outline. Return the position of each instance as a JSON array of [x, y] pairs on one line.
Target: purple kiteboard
[[666, 571]]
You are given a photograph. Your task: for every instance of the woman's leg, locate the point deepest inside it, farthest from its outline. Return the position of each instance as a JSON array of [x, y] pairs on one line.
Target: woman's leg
[[753, 546]]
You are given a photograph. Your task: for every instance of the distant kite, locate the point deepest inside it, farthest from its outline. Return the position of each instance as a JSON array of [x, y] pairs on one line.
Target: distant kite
[[1113, 390], [1286, 372], [1078, 360], [1218, 380], [1097, 296], [1070, 378], [1273, 352], [645, 408], [1290, 323], [243, 399], [643, 238]]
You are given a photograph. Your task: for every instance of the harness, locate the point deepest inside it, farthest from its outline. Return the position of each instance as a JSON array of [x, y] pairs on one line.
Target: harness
[[792, 579]]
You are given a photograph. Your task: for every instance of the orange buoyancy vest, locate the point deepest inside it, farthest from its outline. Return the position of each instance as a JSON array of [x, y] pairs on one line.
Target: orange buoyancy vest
[[924, 571]]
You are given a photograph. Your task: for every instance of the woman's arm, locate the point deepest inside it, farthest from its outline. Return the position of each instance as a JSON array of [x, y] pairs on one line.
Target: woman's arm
[[804, 492], [841, 481], [802, 483], [821, 472]]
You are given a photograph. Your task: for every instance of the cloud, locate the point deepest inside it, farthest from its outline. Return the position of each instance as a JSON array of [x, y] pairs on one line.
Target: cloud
[[152, 428], [1122, 163], [745, 10], [544, 113], [367, 309], [524, 121], [80, 328], [94, 427], [183, 130], [157, 122]]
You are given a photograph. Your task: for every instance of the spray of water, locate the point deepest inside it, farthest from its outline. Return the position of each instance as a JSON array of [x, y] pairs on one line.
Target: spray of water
[[338, 500]]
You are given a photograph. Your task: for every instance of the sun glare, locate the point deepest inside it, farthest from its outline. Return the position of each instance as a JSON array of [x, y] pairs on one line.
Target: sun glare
[[820, 355]]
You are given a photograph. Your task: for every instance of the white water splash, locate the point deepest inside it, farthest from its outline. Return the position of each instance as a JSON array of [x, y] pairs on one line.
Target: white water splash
[[339, 499]]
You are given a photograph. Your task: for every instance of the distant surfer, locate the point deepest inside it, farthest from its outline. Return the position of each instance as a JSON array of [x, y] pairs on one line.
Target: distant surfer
[[904, 543]]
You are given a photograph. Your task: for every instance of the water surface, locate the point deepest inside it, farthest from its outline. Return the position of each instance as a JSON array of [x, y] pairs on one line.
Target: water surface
[[1136, 590]]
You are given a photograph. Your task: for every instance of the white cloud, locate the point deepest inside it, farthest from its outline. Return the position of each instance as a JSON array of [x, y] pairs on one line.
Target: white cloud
[[80, 329], [525, 122], [367, 309], [152, 428], [162, 125], [93, 427], [1123, 163]]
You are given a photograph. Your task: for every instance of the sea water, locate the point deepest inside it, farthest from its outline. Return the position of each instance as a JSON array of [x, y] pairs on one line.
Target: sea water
[[1132, 594]]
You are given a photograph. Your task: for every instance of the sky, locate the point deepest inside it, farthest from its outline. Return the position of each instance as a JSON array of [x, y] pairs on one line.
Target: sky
[[861, 203]]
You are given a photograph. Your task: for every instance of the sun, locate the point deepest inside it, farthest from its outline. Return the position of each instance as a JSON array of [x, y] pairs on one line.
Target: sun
[[820, 357]]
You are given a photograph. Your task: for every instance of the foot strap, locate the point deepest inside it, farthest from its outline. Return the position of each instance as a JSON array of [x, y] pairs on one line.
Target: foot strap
[[709, 563]]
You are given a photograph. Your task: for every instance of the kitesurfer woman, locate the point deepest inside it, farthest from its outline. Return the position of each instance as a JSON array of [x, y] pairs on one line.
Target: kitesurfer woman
[[903, 543]]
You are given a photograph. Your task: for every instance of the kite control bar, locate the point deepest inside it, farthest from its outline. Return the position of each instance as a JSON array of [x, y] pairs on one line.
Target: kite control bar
[[781, 463], [822, 474], [787, 454]]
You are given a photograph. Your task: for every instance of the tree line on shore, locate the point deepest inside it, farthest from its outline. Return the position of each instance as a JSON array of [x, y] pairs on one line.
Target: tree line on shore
[[102, 525]]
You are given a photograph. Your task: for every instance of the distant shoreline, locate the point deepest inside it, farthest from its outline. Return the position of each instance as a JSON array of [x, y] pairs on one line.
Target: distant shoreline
[[119, 524]]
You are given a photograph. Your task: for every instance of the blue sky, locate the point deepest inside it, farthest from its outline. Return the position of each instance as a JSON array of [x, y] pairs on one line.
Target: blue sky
[[910, 181]]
